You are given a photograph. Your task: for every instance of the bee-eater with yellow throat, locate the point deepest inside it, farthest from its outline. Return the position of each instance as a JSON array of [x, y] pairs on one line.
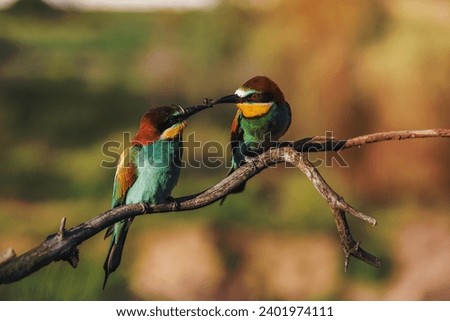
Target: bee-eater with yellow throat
[[148, 170], [263, 116]]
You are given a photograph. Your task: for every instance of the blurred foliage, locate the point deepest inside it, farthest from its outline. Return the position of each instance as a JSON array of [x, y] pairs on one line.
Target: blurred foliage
[[71, 81]]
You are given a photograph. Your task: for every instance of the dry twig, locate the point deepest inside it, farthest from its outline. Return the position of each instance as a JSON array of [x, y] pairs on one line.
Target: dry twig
[[63, 244]]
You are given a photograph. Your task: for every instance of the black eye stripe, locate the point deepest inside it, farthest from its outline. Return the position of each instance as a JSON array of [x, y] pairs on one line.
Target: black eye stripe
[[172, 120], [161, 127], [260, 97]]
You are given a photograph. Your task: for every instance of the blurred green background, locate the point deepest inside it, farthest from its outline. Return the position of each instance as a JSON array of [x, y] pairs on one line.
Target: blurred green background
[[72, 80]]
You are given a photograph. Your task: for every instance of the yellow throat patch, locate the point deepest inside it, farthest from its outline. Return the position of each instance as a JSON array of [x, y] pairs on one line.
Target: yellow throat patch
[[173, 131], [254, 110]]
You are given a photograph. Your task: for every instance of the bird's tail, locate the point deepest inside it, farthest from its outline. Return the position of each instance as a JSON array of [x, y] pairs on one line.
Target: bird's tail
[[118, 234]]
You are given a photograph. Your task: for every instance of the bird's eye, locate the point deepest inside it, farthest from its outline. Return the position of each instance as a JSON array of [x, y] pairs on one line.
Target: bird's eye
[[171, 121], [254, 96]]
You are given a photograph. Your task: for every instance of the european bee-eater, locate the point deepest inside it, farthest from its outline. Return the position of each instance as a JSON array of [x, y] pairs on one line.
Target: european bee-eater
[[148, 170], [262, 117]]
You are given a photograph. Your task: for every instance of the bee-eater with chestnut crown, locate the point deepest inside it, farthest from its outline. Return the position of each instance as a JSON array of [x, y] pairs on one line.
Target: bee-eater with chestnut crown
[[148, 170], [262, 117]]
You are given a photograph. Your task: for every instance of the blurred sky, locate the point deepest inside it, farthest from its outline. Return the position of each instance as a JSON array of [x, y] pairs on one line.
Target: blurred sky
[[127, 5]]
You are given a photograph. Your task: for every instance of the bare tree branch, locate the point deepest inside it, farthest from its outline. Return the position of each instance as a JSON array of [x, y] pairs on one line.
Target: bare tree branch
[[324, 143], [63, 244]]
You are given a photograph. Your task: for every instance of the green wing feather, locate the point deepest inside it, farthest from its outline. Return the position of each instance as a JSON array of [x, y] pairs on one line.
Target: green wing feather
[[126, 175]]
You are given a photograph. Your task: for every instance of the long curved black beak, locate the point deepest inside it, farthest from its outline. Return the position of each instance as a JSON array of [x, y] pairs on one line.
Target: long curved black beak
[[189, 111], [229, 99]]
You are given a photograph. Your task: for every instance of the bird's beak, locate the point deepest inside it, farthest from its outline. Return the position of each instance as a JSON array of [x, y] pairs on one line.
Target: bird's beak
[[188, 112], [229, 99]]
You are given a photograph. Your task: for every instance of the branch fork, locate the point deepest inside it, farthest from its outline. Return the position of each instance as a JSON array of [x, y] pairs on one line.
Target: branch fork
[[63, 244]]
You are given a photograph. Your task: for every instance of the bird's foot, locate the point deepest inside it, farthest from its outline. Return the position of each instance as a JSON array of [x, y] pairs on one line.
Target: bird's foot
[[144, 207], [251, 161], [175, 205]]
